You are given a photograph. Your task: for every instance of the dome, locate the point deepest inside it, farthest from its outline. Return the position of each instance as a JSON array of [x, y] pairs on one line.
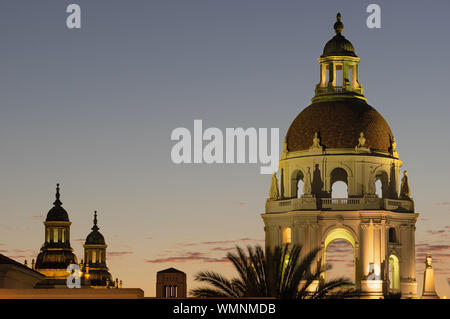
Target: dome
[[95, 237], [338, 46], [57, 213], [339, 124], [55, 259]]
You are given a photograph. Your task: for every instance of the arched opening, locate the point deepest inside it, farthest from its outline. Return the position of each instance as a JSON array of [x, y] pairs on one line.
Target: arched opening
[[340, 256], [339, 252], [382, 184], [394, 274], [339, 183], [379, 189], [392, 235], [299, 184]]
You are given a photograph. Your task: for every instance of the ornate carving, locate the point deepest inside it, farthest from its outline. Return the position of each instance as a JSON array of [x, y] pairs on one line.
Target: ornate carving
[[371, 183], [404, 189], [316, 142], [361, 140], [428, 261], [307, 183], [362, 147], [274, 192]]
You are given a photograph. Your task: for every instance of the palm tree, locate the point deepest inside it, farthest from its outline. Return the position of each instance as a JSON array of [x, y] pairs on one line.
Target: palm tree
[[278, 273]]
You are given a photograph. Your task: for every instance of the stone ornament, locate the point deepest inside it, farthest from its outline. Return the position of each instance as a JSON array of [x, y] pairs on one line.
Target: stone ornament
[[404, 189], [371, 184], [307, 183], [316, 142], [362, 147], [274, 192]]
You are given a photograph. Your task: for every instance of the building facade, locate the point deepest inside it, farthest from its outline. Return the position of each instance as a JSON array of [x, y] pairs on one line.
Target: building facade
[[341, 138], [171, 283]]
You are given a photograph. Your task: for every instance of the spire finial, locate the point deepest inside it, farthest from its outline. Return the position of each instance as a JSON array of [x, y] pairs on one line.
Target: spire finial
[[57, 202], [338, 26], [95, 227]]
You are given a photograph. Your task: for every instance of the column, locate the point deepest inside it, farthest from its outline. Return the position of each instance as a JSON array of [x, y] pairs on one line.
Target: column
[[345, 80], [323, 74], [332, 74]]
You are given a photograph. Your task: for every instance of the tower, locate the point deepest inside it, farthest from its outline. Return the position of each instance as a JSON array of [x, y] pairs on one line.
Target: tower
[[171, 283], [95, 258], [56, 253], [341, 138]]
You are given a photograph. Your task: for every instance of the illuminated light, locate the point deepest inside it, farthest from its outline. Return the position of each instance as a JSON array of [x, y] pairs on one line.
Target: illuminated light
[[287, 235]]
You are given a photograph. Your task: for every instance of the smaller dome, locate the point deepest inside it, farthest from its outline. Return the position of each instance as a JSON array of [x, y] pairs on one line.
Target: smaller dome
[[57, 212], [338, 45], [95, 237]]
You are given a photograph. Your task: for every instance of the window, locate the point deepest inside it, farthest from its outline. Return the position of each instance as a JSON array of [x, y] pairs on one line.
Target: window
[[392, 235], [99, 256], [63, 237], [93, 257], [287, 236], [48, 235], [55, 235]]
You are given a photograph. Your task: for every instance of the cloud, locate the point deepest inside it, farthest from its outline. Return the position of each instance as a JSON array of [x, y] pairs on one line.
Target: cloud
[[222, 242], [112, 254], [431, 247], [435, 232], [227, 249], [187, 257], [443, 204], [241, 204], [37, 217]]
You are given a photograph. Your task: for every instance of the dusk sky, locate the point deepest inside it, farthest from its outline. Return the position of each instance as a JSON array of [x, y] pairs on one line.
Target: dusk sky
[[93, 109]]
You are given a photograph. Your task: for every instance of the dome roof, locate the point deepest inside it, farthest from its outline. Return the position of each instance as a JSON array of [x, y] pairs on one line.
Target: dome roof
[[338, 45], [57, 212], [339, 124], [95, 237]]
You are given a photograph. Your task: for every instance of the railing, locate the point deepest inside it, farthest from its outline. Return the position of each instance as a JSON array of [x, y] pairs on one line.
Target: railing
[[341, 201], [362, 203], [337, 89]]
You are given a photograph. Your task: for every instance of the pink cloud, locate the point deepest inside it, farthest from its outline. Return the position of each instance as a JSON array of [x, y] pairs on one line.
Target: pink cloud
[[443, 204], [187, 257], [112, 254], [241, 204]]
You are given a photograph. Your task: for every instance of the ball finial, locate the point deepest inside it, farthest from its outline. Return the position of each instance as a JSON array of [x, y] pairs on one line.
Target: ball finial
[[338, 26]]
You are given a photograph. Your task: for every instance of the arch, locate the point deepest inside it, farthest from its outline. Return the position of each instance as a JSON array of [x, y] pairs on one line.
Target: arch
[[379, 188], [339, 233], [394, 273], [392, 235], [382, 176], [339, 183], [296, 176]]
